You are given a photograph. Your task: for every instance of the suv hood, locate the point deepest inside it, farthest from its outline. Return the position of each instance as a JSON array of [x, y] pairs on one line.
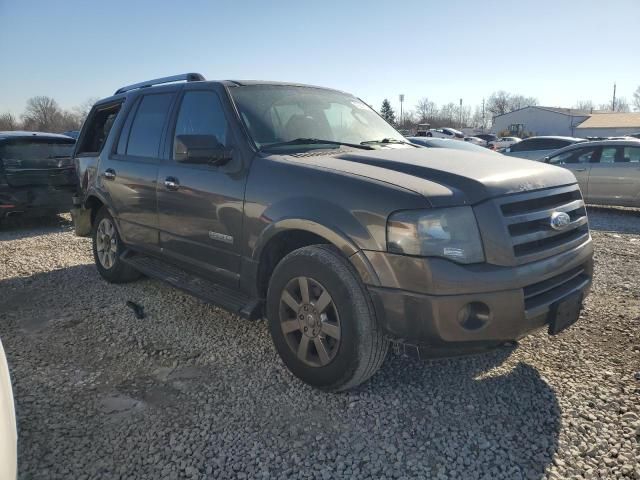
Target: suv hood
[[447, 177]]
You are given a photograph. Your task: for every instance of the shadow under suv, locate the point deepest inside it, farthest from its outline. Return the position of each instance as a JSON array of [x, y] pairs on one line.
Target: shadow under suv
[[303, 205]]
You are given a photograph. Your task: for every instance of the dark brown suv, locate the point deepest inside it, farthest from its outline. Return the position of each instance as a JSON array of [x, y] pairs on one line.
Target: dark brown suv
[[303, 205]]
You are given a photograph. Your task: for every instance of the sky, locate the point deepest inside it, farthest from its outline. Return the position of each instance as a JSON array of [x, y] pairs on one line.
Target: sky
[[557, 51]]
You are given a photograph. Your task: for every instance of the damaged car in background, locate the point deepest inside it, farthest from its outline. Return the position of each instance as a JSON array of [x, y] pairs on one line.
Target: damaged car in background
[[36, 173]]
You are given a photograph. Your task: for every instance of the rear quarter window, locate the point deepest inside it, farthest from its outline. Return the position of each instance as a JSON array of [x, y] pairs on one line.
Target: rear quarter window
[[97, 129]]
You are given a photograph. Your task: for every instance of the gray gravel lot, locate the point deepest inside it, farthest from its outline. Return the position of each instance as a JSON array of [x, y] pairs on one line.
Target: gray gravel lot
[[193, 392]]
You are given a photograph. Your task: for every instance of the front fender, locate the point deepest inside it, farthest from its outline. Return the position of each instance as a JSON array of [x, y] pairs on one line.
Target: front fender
[[347, 230]]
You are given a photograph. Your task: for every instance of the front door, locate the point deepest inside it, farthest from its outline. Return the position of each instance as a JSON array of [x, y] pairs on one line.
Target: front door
[[200, 206], [615, 178], [579, 162], [128, 176]]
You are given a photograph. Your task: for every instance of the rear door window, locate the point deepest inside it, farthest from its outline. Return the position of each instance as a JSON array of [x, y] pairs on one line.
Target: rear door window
[[631, 154], [147, 126], [608, 154]]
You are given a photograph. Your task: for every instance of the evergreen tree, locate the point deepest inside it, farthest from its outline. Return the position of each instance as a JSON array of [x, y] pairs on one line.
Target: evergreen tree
[[387, 112]]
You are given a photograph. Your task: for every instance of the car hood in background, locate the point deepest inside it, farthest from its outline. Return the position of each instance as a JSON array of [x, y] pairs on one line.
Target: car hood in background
[[446, 177]]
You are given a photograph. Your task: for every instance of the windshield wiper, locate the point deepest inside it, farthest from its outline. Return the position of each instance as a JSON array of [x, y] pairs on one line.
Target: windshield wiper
[[314, 141], [386, 140]]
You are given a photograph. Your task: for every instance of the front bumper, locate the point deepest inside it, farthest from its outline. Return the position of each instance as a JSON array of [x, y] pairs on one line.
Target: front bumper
[[433, 302]]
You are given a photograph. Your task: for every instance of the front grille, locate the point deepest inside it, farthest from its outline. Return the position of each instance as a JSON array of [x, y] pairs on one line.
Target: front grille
[[528, 220], [538, 296]]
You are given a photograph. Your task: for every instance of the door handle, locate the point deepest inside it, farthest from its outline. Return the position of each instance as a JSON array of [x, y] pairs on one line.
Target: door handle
[[171, 183], [581, 169], [109, 174]]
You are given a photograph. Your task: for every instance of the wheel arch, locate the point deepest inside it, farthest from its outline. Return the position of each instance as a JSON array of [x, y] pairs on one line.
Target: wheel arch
[[285, 236]]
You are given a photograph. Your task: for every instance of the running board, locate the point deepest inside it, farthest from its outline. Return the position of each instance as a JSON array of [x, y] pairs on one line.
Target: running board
[[221, 296]]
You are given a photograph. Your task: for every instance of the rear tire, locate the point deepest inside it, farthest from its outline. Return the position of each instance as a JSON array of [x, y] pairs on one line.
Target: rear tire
[[332, 339], [107, 248]]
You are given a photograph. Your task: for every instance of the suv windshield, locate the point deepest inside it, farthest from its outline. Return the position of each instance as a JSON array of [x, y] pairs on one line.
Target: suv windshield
[[277, 114]]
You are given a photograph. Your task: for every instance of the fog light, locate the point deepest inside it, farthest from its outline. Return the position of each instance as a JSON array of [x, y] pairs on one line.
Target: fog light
[[474, 315]]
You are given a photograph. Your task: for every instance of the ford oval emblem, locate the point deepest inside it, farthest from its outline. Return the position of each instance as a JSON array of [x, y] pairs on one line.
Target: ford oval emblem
[[560, 220]]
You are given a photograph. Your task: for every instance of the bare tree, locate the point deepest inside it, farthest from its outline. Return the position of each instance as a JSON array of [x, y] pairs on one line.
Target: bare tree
[[636, 99], [502, 102], [426, 110], [586, 105], [84, 108], [516, 102], [42, 113], [498, 103], [621, 106], [8, 122]]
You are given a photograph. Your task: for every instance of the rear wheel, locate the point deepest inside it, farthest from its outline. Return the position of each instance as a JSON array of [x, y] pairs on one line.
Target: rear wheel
[[322, 321], [107, 248]]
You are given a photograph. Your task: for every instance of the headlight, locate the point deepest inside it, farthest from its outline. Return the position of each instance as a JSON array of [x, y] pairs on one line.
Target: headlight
[[446, 232]]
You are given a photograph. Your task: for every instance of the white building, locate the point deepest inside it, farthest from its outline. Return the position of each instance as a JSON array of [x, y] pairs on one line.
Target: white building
[[540, 121], [566, 122]]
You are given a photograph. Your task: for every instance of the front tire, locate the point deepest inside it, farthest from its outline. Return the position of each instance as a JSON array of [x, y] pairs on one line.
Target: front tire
[[322, 321], [107, 248]]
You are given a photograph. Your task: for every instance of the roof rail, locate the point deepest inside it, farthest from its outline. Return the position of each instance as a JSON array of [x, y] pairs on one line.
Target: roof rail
[[189, 77]]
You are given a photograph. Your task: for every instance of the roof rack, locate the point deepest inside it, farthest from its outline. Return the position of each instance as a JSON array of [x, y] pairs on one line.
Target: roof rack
[[188, 77]]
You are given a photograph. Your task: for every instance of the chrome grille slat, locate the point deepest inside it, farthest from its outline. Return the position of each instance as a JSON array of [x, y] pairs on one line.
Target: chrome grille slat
[[547, 233], [527, 219], [541, 214]]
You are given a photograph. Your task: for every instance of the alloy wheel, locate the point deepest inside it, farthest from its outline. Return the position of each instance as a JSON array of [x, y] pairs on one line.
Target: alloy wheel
[[106, 243], [309, 321]]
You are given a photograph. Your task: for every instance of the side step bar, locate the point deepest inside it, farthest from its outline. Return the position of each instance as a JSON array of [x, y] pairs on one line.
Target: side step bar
[[221, 296]]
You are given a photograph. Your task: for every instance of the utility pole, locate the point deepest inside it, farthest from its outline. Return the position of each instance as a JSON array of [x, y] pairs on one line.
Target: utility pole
[[401, 101], [483, 120], [613, 102], [460, 113]]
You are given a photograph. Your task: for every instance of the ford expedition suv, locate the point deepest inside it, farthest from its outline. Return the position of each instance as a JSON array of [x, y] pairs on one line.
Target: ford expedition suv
[[36, 173], [303, 205]]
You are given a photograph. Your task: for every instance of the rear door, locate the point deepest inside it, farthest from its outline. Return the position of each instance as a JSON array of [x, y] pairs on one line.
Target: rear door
[[615, 178], [128, 175], [579, 162], [38, 161], [200, 205]]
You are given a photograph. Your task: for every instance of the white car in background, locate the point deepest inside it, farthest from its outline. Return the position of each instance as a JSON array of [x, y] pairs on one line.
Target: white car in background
[[504, 142], [8, 432], [445, 133]]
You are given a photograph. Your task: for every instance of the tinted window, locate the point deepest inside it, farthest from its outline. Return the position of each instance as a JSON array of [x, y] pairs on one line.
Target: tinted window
[[97, 129], [200, 116], [36, 153], [631, 154], [580, 155], [146, 128], [608, 155], [525, 145], [555, 144]]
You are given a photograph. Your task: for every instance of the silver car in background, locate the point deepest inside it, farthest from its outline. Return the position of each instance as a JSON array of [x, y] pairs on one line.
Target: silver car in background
[[536, 148], [608, 171]]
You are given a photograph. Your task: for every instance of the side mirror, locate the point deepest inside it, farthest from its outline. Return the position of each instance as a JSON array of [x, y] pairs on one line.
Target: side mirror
[[201, 150]]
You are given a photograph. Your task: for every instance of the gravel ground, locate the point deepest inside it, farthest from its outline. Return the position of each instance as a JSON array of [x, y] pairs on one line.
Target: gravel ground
[[193, 392]]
